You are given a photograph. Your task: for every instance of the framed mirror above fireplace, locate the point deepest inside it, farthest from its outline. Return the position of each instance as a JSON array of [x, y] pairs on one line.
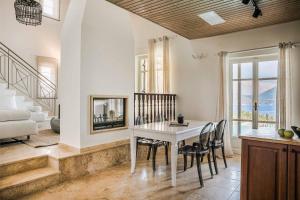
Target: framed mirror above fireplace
[[108, 113]]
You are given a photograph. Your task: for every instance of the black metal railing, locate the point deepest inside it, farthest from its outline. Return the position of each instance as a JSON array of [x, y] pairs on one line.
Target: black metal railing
[[21, 76], [150, 107]]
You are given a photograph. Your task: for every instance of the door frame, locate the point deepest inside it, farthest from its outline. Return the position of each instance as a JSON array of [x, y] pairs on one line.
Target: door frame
[[236, 144]]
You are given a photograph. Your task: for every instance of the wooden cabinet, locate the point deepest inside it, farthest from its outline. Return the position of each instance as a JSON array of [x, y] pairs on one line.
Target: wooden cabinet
[[294, 173], [270, 171], [264, 171]]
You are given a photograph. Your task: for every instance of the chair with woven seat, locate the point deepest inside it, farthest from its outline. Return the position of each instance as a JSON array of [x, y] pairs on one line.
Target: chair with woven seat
[[202, 149], [152, 145], [218, 142]]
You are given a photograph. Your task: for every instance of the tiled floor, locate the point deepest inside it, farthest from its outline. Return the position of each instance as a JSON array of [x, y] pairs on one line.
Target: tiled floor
[[117, 183]]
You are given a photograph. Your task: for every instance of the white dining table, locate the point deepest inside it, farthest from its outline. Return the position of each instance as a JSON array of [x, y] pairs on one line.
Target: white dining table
[[164, 132]]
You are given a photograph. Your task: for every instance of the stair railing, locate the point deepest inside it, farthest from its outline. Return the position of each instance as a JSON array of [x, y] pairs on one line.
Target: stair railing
[[23, 77]]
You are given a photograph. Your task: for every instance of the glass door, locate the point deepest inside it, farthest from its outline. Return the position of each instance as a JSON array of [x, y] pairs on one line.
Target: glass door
[[253, 99], [242, 98], [266, 95]]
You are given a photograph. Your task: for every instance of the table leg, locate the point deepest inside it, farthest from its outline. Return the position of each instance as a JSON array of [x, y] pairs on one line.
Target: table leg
[[174, 153], [133, 152]]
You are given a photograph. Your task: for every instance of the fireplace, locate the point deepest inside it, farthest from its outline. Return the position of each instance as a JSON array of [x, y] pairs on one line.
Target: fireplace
[[108, 113]]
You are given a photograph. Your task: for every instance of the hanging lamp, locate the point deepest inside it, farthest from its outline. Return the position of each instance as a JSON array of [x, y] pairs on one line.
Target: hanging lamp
[[28, 12]]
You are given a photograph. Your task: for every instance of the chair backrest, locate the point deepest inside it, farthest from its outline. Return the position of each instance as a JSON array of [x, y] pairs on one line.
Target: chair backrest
[[204, 137], [219, 132]]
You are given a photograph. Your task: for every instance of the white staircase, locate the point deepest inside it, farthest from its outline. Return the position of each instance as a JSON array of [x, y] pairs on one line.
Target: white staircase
[[23, 103], [32, 89]]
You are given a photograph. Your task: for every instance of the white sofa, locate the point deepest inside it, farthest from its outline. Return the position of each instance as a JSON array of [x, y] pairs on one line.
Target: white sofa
[[14, 129]]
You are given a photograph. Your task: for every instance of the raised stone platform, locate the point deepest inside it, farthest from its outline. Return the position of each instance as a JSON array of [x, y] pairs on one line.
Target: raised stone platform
[[24, 169]]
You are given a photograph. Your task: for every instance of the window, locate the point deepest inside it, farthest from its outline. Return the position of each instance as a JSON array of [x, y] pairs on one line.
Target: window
[[51, 8], [143, 72], [46, 72], [47, 68], [253, 99], [152, 69]]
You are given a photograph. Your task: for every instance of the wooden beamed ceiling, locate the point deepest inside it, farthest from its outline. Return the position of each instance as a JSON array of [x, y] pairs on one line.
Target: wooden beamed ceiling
[[181, 16]]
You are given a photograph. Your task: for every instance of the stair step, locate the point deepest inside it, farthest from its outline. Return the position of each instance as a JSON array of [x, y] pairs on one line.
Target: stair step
[[28, 103], [3, 86], [44, 125], [35, 108], [12, 187], [39, 116], [22, 165], [8, 92], [20, 98], [20, 102]]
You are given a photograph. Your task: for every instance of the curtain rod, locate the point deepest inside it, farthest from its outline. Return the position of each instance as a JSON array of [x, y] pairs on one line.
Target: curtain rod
[[254, 49]]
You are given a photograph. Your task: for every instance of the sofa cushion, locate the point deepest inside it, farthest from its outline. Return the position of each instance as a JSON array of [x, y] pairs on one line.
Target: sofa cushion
[[8, 102], [13, 115]]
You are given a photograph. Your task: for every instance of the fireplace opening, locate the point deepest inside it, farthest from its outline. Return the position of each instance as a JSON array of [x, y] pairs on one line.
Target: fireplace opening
[[108, 113]]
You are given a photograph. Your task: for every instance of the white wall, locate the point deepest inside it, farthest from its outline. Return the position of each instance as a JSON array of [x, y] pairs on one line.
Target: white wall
[[99, 62], [30, 41], [107, 63], [70, 74], [198, 85]]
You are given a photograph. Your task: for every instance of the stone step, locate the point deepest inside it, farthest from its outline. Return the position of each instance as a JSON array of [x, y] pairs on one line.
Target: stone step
[[20, 99], [18, 185], [22, 165], [45, 124], [39, 116], [8, 92], [28, 103], [3, 86]]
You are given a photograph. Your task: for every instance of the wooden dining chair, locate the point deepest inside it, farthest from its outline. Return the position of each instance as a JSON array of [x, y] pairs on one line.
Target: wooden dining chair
[[152, 145], [218, 143], [201, 149]]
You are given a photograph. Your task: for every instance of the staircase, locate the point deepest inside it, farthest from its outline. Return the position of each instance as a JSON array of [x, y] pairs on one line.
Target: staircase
[[24, 103], [23, 80], [22, 177]]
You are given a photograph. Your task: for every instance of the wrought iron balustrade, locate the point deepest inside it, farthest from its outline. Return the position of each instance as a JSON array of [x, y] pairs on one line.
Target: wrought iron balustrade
[[24, 78], [151, 107]]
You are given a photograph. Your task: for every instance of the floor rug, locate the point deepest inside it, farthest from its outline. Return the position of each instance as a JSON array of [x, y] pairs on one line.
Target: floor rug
[[43, 139]]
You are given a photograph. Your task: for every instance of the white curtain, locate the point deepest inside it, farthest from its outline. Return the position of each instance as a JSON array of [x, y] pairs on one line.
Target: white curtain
[[223, 100], [284, 95], [159, 65], [151, 65], [166, 66]]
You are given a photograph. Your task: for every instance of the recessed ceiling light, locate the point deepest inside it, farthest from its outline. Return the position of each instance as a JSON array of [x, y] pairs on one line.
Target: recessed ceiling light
[[212, 18]]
